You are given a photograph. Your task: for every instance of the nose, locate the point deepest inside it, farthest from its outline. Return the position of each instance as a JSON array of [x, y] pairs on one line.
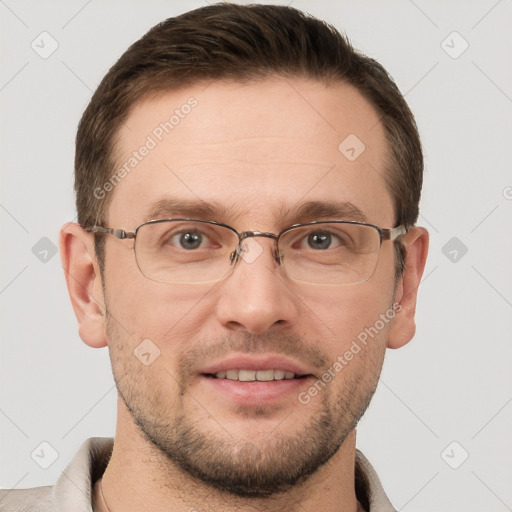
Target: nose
[[256, 296]]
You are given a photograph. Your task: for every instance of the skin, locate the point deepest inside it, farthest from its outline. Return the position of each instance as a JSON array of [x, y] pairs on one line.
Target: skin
[[258, 150]]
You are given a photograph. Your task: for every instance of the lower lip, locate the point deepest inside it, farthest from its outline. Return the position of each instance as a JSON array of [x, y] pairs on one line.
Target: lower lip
[[257, 392]]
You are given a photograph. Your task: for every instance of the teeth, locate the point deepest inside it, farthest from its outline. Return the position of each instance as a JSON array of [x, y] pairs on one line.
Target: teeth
[[232, 374], [246, 375], [264, 375], [252, 375]]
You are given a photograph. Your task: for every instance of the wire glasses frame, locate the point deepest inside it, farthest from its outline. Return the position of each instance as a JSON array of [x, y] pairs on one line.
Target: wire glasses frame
[[321, 252]]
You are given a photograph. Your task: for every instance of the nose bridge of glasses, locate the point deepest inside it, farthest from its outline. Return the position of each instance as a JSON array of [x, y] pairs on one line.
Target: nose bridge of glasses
[[248, 234], [236, 255]]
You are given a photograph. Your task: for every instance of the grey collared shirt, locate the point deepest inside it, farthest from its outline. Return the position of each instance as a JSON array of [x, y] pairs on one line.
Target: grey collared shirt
[[74, 488]]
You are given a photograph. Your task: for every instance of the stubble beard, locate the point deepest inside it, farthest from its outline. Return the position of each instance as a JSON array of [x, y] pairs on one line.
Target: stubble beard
[[237, 466]]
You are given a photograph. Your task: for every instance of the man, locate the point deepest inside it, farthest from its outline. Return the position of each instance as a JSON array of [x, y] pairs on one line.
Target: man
[[247, 191]]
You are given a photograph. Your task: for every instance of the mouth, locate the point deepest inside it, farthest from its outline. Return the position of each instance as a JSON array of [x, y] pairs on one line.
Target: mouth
[[262, 368], [246, 375], [255, 380]]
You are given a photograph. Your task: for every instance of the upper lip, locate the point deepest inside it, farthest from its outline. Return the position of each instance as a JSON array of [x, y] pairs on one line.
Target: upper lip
[[255, 362]]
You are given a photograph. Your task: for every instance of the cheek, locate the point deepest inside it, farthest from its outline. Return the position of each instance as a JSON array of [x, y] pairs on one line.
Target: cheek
[[358, 343], [351, 326], [144, 309], [339, 315]]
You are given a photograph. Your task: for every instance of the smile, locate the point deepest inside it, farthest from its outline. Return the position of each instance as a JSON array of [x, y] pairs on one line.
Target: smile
[[243, 375]]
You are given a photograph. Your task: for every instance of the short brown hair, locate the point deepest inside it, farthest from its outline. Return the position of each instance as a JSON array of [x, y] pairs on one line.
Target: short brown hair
[[241, 43]]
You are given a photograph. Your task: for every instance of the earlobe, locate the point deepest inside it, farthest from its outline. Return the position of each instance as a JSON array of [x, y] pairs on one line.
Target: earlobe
[[403, 326], [84, 283]]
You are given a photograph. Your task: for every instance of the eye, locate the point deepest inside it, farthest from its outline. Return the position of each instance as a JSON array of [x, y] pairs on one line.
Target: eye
[[188, 239], [321, 240]]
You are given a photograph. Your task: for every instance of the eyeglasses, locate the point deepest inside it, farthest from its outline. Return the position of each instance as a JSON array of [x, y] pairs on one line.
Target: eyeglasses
[[189, 251]]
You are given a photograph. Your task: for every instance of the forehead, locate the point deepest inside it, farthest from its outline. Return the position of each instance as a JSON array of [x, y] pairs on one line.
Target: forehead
[[252, 151]]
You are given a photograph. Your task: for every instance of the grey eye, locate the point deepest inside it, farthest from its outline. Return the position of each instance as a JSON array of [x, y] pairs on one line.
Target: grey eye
[[319, 240], [189, 240]]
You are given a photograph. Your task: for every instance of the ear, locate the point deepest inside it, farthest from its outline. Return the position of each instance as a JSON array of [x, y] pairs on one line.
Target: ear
[[403, 326], [84, 283]]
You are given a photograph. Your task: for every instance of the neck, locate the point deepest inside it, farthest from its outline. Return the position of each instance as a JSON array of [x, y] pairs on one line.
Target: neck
[[140, 477]]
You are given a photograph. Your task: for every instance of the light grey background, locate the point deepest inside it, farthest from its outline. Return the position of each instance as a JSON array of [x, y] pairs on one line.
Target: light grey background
[[452, 383]]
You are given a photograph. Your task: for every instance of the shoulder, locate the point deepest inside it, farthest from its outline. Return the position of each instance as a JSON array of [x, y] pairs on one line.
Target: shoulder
[[27, 500], [72, 490], [369, 489]]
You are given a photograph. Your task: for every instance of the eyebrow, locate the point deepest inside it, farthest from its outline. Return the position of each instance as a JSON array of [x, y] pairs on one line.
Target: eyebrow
[[323, 210], [305, 212], [169, 207]]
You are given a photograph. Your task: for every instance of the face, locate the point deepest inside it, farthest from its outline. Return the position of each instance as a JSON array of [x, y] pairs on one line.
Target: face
[[256, 155]]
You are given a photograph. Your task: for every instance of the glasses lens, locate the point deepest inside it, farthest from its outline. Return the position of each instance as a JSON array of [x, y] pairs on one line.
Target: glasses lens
[[181, 251], [330, 253]]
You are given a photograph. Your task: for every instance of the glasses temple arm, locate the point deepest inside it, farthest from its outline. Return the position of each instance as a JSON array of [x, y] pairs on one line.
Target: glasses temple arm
[[118, 233], [393, 233]]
